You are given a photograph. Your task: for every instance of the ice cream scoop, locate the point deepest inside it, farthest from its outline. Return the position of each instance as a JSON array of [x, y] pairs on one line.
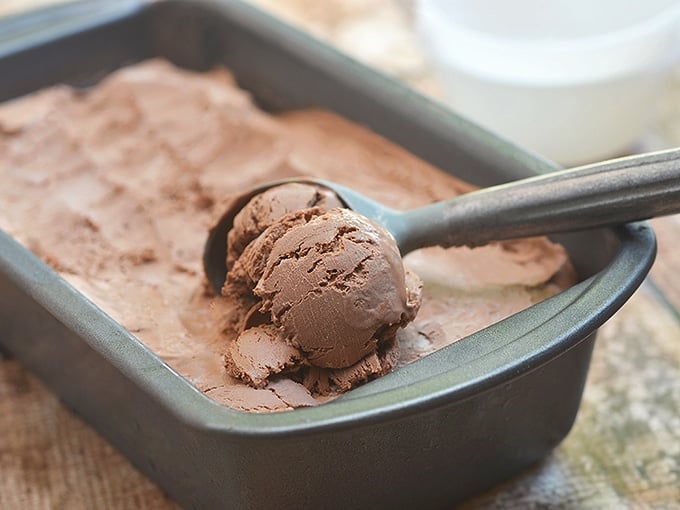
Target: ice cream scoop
[[601, 194]]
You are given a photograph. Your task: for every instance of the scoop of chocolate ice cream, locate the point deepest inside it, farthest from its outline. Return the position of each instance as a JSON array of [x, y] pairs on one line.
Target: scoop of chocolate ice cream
[[270, 205], [258, 353], [336, 285], [331, 283]]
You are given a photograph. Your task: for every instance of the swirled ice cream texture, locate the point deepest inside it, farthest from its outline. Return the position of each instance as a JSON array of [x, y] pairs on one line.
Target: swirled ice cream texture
[[116, 188]]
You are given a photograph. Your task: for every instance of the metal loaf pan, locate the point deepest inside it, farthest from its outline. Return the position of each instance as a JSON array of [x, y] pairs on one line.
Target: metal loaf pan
[[427, 435]]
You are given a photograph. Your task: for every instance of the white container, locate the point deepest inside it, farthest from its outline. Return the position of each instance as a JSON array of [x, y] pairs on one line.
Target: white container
[[574, 80]]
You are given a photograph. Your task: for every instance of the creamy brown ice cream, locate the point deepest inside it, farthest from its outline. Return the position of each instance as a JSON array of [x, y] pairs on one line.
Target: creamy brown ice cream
[[271, 205], [319, 289], [117, 187]]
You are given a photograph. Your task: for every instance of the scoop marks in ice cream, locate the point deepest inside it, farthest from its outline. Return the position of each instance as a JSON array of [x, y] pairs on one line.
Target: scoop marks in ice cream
[[116, 188]]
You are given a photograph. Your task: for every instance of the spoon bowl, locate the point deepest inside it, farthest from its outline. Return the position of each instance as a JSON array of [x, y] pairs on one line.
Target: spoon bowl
[[597, 195]]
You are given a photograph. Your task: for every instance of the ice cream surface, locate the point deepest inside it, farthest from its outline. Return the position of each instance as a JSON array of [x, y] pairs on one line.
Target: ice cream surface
[[116, 188]]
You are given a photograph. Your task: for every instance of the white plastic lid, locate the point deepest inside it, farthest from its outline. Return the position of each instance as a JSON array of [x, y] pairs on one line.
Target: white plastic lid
[[551, 42]]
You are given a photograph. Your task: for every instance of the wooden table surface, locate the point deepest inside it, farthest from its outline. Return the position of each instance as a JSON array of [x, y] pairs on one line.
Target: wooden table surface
[[624, 449]]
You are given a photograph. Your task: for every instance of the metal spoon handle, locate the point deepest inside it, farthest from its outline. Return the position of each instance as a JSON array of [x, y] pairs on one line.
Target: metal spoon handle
[[617, 191]]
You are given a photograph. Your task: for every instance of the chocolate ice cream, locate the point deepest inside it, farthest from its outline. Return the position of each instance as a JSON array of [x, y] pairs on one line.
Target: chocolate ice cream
[[327, 287], [116, 188], [268, 207]]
